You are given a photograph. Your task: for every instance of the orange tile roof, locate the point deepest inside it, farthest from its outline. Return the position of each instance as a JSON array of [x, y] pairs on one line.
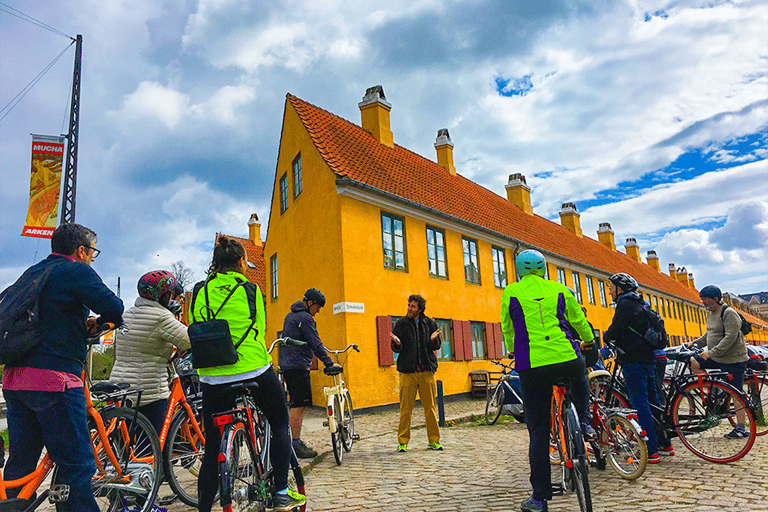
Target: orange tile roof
[[354, 153], [255, 255]]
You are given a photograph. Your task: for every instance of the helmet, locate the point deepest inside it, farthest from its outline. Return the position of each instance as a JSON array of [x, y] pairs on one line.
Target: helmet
[[153, 285], [711, 292], [315, 296], [530, 262], [178, 290], [624, 281], [174, 307]]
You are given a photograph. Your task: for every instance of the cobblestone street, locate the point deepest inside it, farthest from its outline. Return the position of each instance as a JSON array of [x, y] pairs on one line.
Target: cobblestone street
[[485, 468]]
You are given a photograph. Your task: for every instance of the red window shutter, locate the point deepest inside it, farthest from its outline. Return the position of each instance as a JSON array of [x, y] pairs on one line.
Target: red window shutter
[[467, 333], [313, 366], [498, 340], [458, 341], [383, 328], [490, 342]]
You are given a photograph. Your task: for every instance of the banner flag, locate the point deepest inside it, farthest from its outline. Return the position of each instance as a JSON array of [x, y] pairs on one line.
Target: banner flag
[[44, 186]]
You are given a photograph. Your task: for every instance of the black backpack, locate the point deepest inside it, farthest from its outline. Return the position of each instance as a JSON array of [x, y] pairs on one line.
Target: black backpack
[[746, 326], [655, 336], [19, 312]]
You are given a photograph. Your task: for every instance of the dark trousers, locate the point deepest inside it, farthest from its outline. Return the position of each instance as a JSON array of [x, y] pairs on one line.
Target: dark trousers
[[270, 398], [56, 420], [536, 385], [641, 386], [155, 413]]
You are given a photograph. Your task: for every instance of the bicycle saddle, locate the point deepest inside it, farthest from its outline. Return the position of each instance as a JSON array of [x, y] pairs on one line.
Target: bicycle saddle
[[241, 386], [108, 387], [333, 370], [683, 355]]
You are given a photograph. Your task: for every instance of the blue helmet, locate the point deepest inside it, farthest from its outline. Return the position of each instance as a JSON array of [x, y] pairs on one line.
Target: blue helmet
[[530, 262]]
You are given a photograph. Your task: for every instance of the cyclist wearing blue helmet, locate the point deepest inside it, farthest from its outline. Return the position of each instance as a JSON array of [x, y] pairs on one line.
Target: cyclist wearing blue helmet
[[534, 313]]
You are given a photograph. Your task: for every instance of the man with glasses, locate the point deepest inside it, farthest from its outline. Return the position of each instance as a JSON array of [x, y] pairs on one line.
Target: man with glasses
[[42, 388]]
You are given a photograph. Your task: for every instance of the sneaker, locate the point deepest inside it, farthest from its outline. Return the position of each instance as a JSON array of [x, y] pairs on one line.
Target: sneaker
[[654, 459], [589, 433], [532, 505], [667, 452], [737, 433], [402, 447], [288, 501], [435, 446], [303, 451]]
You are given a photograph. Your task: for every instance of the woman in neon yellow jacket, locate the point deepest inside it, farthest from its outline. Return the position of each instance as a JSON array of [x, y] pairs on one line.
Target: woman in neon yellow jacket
[[244, 312], [535, 314]]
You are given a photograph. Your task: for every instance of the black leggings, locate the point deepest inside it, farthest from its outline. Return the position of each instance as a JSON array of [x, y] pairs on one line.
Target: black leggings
[[270, 398]]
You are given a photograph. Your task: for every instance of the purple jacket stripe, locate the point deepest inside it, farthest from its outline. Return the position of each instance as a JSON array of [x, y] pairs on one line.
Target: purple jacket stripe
[[522, 347], [564, 323]]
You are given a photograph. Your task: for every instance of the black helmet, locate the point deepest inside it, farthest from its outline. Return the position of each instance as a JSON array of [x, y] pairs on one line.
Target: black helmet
[[624, 281], [711, 292], [315, 296]]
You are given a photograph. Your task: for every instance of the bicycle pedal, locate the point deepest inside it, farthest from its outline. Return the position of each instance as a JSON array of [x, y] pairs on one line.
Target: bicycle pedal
[[356, 437], [557, 489], [58, 493]]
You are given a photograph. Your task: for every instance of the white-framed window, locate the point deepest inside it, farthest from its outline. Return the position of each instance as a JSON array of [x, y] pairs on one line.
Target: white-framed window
[[273, 273], [561, 276], [577, 287], [283, 193], [393, 241], [601, 289], [298, 186], [446, 335], [471, 266], [478, 339], [499, 267], [436, 252], [590, 290]]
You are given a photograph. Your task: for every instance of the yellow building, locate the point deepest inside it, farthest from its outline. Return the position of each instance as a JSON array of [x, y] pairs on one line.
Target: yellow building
[[369, 222]]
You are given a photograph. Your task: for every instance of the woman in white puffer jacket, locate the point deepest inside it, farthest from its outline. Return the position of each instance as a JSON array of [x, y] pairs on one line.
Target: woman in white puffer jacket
[[143, 350]]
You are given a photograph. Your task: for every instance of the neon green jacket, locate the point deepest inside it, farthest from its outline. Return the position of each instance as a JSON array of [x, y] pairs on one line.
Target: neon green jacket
[[245, 304], [535, 314]]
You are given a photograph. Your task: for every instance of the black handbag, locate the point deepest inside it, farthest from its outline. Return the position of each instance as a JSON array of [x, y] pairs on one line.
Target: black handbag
[[211, 340]]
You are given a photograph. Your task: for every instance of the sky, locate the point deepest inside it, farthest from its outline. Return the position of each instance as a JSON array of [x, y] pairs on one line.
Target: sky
[[650, 115]]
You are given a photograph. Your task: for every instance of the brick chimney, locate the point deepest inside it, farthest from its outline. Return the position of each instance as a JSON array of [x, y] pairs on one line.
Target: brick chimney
[[519, 193], [444, 148], [682, 276], [605, 235], [374, 115], [633, 250], [570, 219], [254, 230], [690, 281], [653, 261], [672, 271]]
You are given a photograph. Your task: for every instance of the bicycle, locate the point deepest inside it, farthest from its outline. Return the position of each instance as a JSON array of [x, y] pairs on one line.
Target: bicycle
[[245, 470], [504, 394], [700, 410], [756, 390], [125, 448], [341, 418], [569, 446]]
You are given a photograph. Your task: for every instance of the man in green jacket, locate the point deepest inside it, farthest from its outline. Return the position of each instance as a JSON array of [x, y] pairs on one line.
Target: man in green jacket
[[535, 313]]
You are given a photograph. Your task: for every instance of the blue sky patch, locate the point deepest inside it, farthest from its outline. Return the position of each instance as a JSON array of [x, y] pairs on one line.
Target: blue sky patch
[[514, 86]]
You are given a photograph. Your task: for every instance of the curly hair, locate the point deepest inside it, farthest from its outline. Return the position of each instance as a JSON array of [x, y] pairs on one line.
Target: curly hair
[[419, 300], [226, 255]]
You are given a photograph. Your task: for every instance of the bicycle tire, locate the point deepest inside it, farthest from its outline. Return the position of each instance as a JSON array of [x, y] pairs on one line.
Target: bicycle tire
[[494, 405], [756, 389], [183, 456], [348, 423], [140, 456], [556, 456], [336, 441], [618, 400], [239, 470], [579, 472], [698, 416], [625, 450]]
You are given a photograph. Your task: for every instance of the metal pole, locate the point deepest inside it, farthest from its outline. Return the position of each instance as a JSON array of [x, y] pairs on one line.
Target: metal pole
[[440, 404], [70, 173]]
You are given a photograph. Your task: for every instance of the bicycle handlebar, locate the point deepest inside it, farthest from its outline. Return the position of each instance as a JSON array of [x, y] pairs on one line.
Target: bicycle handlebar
[[286, 341], [351, 345]]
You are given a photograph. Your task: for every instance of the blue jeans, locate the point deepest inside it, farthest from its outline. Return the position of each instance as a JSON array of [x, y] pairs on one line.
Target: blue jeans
[[641, 385], [58, 422]]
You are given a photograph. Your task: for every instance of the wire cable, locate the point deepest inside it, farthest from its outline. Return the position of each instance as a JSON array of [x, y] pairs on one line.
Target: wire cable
[[9, 107], [31, 20]]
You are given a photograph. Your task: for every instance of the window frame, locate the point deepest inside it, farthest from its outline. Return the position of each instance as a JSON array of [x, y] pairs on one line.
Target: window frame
[[392, 219], [601, 289], [283, 187], [499, 281], [561, 277], [478, 344], [469, 243], [435, 231], [590, 289], [273, 292], [298, 184], [447, 338], [577, 286]]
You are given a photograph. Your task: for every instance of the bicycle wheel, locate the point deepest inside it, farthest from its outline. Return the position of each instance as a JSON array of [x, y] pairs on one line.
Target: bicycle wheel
[[132, 483], [183, 456], [703, 414], [756, 389], [494, 405], [625, 449], [239, 470], [618, 400], [348, 423], [336, 442], [579, 471]]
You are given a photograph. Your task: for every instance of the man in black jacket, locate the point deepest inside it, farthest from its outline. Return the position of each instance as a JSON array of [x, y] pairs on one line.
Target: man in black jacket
[[415, 338], [637, 360]]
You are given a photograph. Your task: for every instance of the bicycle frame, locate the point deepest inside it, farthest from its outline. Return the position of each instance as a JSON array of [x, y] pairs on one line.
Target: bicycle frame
[[338, 390], [176, 400]]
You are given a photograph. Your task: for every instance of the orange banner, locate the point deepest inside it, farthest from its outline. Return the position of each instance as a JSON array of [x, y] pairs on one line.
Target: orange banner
[[44, 186]]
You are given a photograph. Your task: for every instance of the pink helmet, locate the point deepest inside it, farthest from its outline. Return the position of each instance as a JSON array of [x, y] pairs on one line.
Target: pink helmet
[[153, 285]]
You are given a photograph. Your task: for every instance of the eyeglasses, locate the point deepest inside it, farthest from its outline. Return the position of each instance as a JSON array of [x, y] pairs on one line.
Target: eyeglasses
[[96, 252]]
